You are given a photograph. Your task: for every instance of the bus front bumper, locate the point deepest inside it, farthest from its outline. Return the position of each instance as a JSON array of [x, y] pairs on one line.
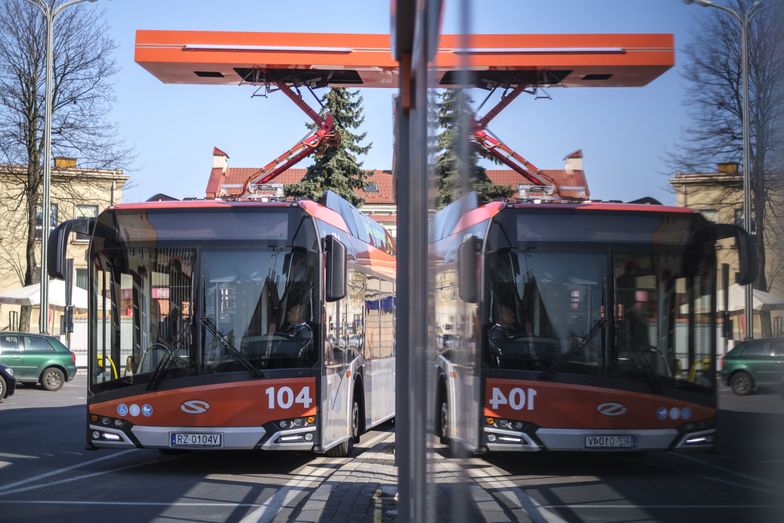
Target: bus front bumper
[[161, 437], [301, 439], [591, 440]]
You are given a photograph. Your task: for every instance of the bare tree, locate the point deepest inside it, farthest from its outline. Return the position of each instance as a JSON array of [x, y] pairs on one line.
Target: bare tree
[[714, 103], [82, 97]]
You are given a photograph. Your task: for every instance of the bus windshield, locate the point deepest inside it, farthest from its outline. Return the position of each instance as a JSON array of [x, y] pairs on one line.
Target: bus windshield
[[639, 315], [208, 307]]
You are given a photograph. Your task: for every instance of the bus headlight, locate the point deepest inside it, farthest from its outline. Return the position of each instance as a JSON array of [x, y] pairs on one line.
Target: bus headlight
[[296, 423]]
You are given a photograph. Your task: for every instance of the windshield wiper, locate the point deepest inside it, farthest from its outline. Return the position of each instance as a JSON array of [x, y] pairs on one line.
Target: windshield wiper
[[218, 335], [596, 329], [160, 369]]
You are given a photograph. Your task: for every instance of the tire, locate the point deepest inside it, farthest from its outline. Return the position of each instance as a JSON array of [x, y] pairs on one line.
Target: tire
[[443, 421], [344, 449], [742, 383], [52, 379], [3, 388]]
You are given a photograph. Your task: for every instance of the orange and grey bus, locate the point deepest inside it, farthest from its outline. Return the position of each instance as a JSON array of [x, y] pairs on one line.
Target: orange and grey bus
[[577, 326], [237, 324]]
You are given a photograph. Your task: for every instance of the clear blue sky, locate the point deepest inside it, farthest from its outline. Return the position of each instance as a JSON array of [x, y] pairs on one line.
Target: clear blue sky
[[625, 133]]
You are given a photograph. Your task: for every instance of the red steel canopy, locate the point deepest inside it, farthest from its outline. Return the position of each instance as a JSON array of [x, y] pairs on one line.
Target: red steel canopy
[[365, 60]]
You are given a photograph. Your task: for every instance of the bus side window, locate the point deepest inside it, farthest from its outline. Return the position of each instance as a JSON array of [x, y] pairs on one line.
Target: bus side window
[[355, 313], [334, 352], [373, 318], [387, 310]]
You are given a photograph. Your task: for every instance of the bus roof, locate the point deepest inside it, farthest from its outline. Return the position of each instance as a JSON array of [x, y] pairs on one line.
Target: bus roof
[[366, 60], [333, 210], [447, 223]]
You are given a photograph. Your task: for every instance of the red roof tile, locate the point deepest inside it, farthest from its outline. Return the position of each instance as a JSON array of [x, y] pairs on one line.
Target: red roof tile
[[384, 180], [236, 177], [218, 152]]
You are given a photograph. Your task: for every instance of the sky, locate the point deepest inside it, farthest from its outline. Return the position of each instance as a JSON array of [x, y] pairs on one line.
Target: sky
[[626, 133]]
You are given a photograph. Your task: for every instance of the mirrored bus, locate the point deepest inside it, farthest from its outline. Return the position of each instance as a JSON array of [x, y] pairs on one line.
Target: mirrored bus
[[577, 327], [237, 324]]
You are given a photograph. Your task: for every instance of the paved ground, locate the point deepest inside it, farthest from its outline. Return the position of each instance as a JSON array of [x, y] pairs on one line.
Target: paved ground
[[46, 475]]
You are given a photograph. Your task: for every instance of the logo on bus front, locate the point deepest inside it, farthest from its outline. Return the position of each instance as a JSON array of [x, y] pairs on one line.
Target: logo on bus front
[[194, 407], [611, 409]]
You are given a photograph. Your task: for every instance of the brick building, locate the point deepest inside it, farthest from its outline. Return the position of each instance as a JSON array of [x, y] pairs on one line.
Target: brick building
[[379, 192]]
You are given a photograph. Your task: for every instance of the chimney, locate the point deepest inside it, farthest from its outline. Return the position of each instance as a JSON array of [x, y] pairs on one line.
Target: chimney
[[220, 163], [64, 162], [727, 167], [220, 160], [574, 161]]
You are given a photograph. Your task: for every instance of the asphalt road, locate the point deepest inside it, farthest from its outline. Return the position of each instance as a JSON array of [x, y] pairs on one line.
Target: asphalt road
[[46, 475]]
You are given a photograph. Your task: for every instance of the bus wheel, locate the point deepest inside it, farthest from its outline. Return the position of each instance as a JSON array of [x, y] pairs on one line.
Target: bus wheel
[[443, 420], [344, 449], [742, 383], [355, 413]]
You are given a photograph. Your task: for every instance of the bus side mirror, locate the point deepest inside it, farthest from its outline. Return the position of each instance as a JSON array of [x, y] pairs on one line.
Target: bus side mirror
[[467, 270], [336, 268], [58, 244], [747, 251]]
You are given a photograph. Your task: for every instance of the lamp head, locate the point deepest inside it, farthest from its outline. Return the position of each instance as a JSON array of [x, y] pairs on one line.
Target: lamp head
[[703, 3]]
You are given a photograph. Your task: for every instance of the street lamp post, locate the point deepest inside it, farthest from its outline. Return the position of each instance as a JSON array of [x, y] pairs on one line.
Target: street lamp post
[[744, 19], [50, 12]]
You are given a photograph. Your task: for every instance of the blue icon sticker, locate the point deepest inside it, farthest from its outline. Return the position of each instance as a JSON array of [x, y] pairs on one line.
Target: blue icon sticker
[[661, 413], [147, 410], [122, 409], [686, 413], [675, 412], [134, 410]]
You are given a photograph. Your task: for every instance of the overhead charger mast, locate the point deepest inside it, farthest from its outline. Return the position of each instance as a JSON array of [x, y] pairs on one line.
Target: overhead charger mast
[[516, 62]]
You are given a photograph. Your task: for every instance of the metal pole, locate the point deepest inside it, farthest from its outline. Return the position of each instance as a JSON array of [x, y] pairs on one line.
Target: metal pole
[[46, 211], [45, 205], [747, 221], [744, 18]]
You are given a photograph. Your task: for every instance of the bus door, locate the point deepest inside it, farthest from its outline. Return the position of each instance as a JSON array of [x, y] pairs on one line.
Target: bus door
[[335, 381]]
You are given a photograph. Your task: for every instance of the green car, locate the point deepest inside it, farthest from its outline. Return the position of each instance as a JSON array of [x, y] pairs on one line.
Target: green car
[[752, 364], [36, 358]]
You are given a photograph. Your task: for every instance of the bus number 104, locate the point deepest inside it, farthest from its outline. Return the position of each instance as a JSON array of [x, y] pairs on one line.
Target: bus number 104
[[285, 398], [518, 398]]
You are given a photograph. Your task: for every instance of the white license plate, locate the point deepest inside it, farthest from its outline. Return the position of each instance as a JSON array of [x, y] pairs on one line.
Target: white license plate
[[196, 439], [608, 441]]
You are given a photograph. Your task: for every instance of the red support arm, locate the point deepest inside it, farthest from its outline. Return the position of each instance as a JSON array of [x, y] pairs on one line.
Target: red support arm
[[506, 155], [297, 99], [501, 105], [324, 136]]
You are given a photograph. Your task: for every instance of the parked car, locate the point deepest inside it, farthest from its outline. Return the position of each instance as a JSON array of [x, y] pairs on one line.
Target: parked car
[[752, 364], [36, 358], [7, 382]]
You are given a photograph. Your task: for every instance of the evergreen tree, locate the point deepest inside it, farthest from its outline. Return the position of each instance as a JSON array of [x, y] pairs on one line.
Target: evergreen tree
[[449, 115], [337, 168]]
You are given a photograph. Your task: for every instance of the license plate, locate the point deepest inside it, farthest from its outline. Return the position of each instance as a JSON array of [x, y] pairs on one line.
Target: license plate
[[196, 439], [609, 442]]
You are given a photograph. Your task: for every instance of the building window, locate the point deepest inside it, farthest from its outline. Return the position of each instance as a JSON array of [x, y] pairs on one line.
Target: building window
[[371, 187], [85, 211], [81, 278], [39, 211]]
